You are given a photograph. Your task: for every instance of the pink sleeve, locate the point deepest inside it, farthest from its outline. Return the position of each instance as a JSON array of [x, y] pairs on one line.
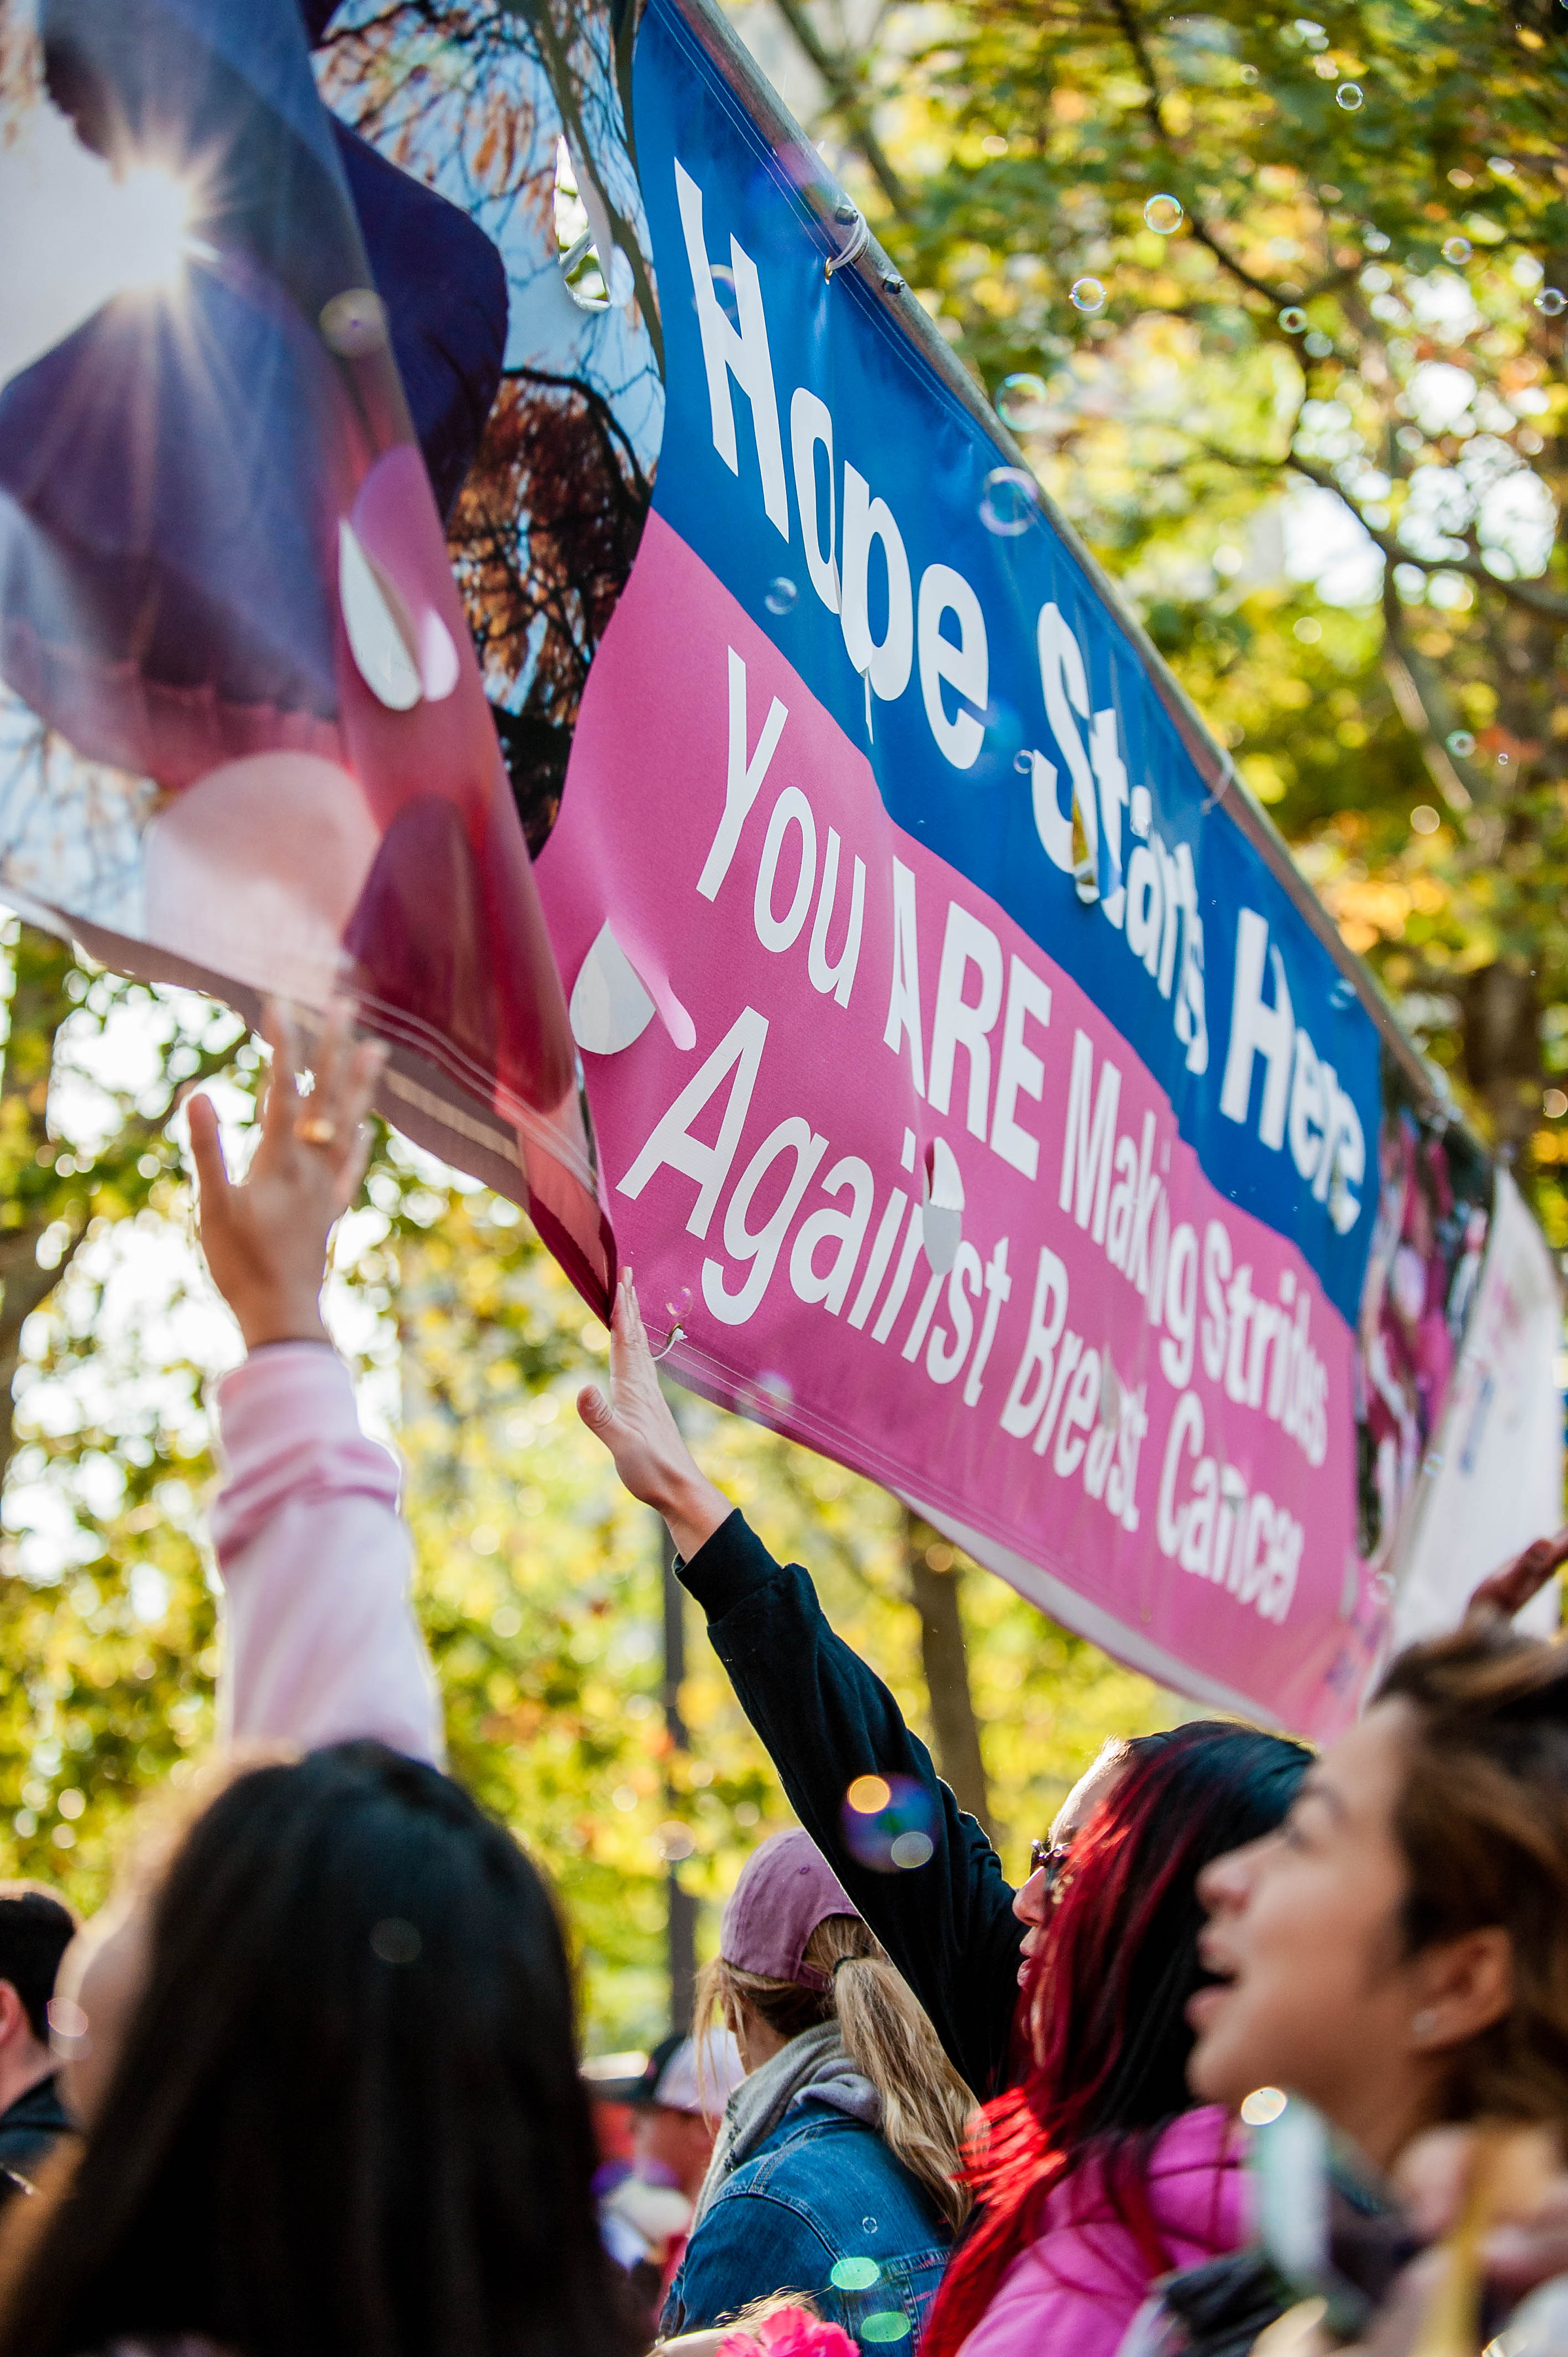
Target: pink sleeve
[[320, 1642]]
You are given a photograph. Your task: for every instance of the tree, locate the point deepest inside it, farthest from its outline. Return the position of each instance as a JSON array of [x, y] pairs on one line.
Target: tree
[[1241, 271], [107, 1621]]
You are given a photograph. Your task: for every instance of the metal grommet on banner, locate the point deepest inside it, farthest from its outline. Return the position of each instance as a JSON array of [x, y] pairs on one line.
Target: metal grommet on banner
[[858, 239]]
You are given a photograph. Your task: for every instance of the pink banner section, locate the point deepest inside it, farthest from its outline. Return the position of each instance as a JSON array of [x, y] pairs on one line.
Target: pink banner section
[[912, 1200]]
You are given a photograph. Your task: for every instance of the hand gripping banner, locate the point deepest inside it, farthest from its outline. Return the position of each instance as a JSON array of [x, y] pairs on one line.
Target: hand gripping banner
[[243, 738], [983, 1098]]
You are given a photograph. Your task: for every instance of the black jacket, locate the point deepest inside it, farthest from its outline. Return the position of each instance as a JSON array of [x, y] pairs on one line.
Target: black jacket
[[29, 2130], [826, 1719]]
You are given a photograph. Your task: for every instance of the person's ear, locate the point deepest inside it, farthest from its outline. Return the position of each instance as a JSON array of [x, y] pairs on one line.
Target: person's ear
[[1462, 1987], [13, 2022]]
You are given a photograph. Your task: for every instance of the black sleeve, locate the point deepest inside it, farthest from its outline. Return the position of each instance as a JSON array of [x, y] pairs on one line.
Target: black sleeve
[[825, 1719]]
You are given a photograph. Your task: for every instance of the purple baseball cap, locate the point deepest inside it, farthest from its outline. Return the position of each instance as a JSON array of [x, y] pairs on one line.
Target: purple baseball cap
[[785, 1888]]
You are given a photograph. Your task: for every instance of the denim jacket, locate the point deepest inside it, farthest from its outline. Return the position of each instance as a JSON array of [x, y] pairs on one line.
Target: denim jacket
[[822, 2191]]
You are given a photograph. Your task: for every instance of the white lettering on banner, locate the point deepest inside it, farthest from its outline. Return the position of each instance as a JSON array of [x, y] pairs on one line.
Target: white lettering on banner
[[776, 932], [866, 522], [846, 1229], [944, 1362], [1111, 779], [964, 666], [1064, 1399], [958, 1022], [904, 1004], [1105, 835], [1059, 1392], [1300, 1091], [836, 980], [1090, 1144], [741, 352], [1020, 1068], [740, 1050], [761, 1251], [998, 1291], [742, 777], [811, 430], [1244, 1544], [1260, 1351]]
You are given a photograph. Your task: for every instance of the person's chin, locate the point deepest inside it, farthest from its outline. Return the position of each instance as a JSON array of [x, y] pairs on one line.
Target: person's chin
[[1207, 2076]]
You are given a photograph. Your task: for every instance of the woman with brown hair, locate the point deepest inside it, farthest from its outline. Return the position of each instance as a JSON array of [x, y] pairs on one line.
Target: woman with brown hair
[[1398, 1951], [834, 2170]]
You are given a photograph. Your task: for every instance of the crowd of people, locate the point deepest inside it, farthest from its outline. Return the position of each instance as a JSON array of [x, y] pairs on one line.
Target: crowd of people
[[309, 2082]]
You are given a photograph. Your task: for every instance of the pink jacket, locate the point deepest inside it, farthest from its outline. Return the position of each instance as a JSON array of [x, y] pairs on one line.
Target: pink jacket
[[1077, 2289], [320, 1642]]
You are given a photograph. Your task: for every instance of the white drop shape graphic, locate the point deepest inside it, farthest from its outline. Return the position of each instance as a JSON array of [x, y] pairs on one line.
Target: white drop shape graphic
[[610, 1008], [381, 644], [941, 1217], [439, 669]]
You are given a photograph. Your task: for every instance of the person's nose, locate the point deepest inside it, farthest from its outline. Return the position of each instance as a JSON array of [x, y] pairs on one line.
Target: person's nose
[[1226, 1882], [1030, 1901]]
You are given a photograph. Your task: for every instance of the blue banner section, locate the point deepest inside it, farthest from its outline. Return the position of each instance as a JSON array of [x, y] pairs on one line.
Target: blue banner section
[[818, 464]]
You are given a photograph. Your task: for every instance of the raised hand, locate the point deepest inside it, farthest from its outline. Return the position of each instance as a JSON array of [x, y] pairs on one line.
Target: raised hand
[[1508, 1591], [642, 1436], [265, 1239]]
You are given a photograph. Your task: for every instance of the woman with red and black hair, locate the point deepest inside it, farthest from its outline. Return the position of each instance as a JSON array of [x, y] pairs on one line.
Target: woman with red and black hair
[[1093, 2174]]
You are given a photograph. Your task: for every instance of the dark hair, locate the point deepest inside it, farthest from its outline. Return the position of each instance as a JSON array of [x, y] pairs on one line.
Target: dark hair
[[1104, 2005], [1482, 1821], [36, 1930], [346, 2120]]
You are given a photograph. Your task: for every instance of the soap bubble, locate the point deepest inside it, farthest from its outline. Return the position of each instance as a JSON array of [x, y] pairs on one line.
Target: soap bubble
[[1164, 215], [394, 1941], [1024, 762], [768, 1400], [1086, 295], [1551, 300], [888, 2324], [1457, 249], [889, 1822], [677, 1305], [1424, 819], [854, 2274], [354, 323], [1293, 319], [1020, 400], [1350, 95], [782, 595], [1011, 501], [1264, 2106], [1460, 743]]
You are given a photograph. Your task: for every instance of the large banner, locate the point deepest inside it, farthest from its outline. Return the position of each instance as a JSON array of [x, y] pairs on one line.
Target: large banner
[[403, 470], [976, 1100]]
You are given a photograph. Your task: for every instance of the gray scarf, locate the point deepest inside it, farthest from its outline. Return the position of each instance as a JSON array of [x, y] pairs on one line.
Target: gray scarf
[[813, 2065]]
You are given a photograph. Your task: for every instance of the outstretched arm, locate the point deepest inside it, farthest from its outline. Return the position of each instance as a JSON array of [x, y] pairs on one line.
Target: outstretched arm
[[321, 1642], [825, 1719]]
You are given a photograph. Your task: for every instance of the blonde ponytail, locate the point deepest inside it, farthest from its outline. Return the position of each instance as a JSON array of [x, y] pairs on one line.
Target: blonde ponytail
[[926, 2107]]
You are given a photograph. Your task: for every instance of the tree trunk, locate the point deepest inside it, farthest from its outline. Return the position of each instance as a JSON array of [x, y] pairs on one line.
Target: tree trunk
[[933, 1591], [1502, 1052]]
